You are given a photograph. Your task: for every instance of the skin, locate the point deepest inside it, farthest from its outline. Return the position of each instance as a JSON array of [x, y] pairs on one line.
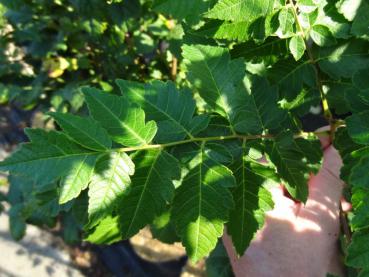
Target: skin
[[297, 239]]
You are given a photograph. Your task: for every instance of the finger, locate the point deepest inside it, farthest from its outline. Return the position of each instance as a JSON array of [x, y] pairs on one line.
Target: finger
[[346, 206], [279, 198], [324, 136]]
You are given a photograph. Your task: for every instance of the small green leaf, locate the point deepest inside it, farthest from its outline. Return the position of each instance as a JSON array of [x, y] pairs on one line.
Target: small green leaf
[[84, 131], [289, 160], [286, 22], [361, 79], [240, 10], [218, 263], [256, 109], [111, 180], [358, 251], [210, 69], [297, 47], [358, 127], [17, 223], [151, 189], [125, 122], [252, 200], [202, 203], [107, 232], [322, 36], [360, 175], [170, 108], [77, 179], [52, 155]]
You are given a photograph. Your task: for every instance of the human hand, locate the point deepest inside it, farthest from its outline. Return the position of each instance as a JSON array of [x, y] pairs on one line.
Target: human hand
[[298, 239]]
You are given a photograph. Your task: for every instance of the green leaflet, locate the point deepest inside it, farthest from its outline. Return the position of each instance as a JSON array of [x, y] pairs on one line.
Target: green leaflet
[[322, 36], [286, 155], [110, 182], [240, 10], [106, 232], [286, 23], [213, 74], [124, 122], [77, 179], [202, 203], [359, 176], [252, 51], [226, 30], [297, 47], [360, 80], [358, 127], [151, 189], [210, 72], [252, 200], [344, 59], [255, 107], [218, 263], [53, 156], [172, 109], [163, 228], [290, 76], [17, 223], [84, 131], [358, 251], [183, 9]]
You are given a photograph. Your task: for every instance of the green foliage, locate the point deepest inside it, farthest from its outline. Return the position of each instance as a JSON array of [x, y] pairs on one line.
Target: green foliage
[[48, 49], [192, 156]]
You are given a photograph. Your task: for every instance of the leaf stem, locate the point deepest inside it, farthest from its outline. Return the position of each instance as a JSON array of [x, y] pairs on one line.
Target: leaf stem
[[326, 110], [207, 139]]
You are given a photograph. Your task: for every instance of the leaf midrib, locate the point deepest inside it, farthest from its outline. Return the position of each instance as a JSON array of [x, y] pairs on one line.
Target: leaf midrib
[[167, 115], [136, 135], [138, 206]]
